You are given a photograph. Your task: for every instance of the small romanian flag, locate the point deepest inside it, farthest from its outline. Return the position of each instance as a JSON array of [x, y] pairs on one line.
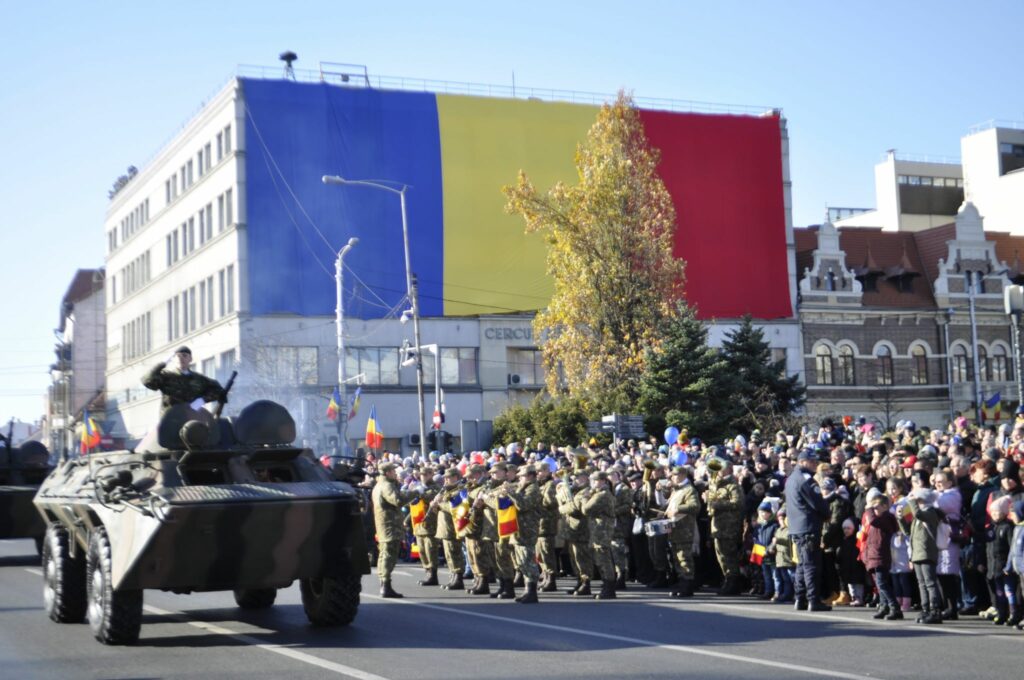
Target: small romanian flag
[[757, 554], [332, 407], [508, 518], [355, 403], [90, 433], [417, 512], [414, 550], [460, 512], [374, 437]]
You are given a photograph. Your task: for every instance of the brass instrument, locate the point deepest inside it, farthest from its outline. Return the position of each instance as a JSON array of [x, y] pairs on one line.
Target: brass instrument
[[715, 465], [649, 467]]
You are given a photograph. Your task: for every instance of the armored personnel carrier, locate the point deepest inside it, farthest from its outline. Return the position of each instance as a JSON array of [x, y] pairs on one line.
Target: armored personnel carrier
[[22, 470], [201, 504]]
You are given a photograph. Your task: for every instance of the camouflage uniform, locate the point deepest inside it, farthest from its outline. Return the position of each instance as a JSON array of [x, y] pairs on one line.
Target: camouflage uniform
[[425, 531], [577, 535], [528, 501], [388, 501], [500, 550], [182, 388], [725, 505], [599, 509], [683, 507], [547, 530], [623, 528], [480, 559], [446, 529]]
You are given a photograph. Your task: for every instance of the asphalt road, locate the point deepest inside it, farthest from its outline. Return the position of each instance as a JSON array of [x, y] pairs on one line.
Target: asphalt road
[[450, 636]]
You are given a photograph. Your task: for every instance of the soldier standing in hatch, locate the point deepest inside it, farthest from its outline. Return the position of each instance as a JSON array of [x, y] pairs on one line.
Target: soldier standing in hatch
[[388, 500], [180, 384]]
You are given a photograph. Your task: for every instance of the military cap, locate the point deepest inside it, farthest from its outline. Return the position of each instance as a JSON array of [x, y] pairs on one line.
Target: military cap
[[452, 472], [384, 468], [183, 350], [634, 475], [598, 476], [500, 465], [477, 468]]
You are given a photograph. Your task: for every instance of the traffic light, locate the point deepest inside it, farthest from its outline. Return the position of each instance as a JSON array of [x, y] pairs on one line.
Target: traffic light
[[440, 441]]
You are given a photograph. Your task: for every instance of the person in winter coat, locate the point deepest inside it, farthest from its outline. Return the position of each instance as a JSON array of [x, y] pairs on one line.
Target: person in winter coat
[[851, 569], [782, 548], [1015, 561], [949, 505], [764, 537], [924, 551], [877, 555], [1000, 535], [839, 510]]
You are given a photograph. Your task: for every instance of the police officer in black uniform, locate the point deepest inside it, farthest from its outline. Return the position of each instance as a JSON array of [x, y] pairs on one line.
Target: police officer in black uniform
[[806, 510]]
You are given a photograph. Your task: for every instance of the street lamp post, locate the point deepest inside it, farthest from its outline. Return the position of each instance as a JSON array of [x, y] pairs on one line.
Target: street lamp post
[[410, 287], [343, 447]]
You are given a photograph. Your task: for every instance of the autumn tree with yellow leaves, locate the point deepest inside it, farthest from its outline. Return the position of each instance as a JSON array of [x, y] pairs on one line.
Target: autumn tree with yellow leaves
[[610, 239]]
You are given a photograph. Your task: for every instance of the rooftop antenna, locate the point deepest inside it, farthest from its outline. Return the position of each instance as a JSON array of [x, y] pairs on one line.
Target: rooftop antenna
[[288, 57]]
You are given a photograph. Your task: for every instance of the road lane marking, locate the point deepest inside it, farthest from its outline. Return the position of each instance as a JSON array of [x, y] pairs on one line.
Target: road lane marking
[[338, 668], [829, 673], [37, 572]]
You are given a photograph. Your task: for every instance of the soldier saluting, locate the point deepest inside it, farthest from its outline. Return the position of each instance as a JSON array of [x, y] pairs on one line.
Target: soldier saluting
[[180, 384]]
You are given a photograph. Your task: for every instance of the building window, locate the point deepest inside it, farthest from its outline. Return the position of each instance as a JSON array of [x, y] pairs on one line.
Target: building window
[[231, 288], [287, 366], [830, 281], [223, 292], [220, 213], [527, 365], [206, 155], [377, 365], [229, 207], [823, 365], [959, 367], [209, 221], [919, 366], [983, 374], [845, 373], [227, 364], [209, 299], [884, 358], [998, 366], [209, 366], [220, 146], [227, 140]]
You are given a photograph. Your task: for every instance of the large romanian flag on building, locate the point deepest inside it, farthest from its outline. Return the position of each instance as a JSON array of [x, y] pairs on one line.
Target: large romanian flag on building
[[508, 518], [90, 433], [374, 436]]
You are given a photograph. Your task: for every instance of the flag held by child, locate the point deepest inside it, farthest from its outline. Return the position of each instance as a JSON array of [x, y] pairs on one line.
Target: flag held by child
[[757, 554]]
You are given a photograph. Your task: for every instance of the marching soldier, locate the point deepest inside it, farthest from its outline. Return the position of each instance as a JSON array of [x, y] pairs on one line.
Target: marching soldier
[[577, 535], [527, 498], [547, 530], [180, 384], [623, 525], [598, 505], [441, 505], [725, 506], [654, 509], [499, 551], [480, 558], [683, 507], [388, 500], [425, 529]]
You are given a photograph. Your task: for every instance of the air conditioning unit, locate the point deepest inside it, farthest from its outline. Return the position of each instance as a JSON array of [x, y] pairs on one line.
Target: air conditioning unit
[[414, 439], [514, 379]]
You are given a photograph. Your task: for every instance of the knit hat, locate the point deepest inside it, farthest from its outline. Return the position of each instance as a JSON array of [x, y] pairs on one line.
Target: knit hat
[[1011, 470], [848, 523]]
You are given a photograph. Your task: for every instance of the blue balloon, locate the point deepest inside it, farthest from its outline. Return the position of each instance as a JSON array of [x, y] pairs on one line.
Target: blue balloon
[[671, 435], [681, 458]]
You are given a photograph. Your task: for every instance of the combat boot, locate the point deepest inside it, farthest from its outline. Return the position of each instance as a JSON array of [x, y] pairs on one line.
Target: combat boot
[[572, 591], [607, 591], [481, 588], [508, 590], [500, 592], [518, 582], [620, 583], [583, 590], [685, 588], [530, 596], [387, 591], [456, 583], [431, 579], [550, 583], [660, 580]]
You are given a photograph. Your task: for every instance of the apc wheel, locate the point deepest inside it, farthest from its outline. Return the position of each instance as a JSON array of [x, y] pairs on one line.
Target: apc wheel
[[114, 616], [63, 578], [257, 598], [331, 601]]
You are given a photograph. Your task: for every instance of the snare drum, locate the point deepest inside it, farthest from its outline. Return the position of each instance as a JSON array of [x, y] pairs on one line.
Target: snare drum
[[658, 527]]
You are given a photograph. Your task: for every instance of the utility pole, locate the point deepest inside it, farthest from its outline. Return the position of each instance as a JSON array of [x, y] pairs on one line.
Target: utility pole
[[339, 271]]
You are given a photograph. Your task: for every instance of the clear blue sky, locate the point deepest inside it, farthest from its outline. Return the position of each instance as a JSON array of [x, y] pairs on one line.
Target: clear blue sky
[[89, 88]]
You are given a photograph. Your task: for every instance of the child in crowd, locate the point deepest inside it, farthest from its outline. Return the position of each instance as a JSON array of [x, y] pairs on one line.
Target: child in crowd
[[782, 549], [924, 551], [877, 555], [851, 569], [902, 583], [764, 537], [1015, 562], [1003, 584]]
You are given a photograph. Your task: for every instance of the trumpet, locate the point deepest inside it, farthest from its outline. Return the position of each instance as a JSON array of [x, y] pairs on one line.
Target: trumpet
[[649, 467]]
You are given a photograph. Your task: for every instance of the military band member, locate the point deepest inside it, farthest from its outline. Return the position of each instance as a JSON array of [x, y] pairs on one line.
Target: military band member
[[501, 549], [598, 505], [623, 525], [527, 499], [577, 535], [480, 556], [389, 521], [683, 508], [425, 530], [547, 530], [725, 506], [442, 507]]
